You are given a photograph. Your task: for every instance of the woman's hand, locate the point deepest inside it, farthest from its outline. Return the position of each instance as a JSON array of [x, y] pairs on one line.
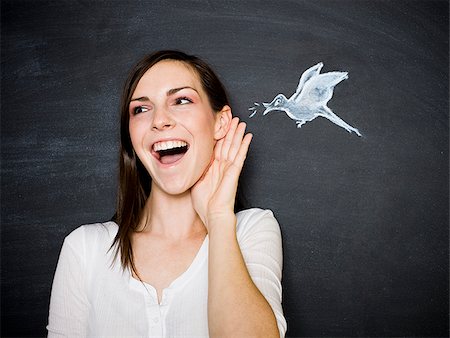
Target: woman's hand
[[214, 194]]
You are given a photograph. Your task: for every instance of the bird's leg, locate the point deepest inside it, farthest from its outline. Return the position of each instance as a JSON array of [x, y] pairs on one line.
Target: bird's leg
[[300, 123]]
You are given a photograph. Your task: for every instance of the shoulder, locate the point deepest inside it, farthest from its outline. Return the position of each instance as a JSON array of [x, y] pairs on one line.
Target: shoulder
[[85, 249], [256, 221], [90, 236], [259, 238], [254, 213]]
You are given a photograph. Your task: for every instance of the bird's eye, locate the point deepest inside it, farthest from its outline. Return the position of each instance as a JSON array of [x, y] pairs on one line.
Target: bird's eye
[[278, 101]]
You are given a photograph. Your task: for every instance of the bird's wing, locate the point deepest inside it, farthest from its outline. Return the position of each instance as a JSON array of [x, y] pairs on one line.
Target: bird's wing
[[319, 89], [307, 74]]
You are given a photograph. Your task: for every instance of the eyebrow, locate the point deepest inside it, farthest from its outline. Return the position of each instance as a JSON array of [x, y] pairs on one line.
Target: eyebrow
[[169, 92]]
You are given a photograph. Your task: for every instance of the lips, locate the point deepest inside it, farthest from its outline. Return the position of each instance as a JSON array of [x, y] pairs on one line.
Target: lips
[[169, 151]]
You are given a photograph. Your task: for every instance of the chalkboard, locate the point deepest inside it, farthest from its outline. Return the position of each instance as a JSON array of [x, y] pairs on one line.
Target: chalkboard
[[364, 220]]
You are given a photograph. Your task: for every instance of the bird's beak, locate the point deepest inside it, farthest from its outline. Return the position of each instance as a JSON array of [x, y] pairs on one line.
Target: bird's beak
[[268, 108]]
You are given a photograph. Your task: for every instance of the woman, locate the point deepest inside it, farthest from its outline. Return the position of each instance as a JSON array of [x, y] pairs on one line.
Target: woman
[[177, 260]]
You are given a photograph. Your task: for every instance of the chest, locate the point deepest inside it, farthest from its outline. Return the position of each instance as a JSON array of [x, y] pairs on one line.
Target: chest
[[122, 306], [159, 263]]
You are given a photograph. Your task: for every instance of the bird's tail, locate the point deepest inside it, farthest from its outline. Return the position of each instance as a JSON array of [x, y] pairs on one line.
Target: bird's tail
[[327, 113]]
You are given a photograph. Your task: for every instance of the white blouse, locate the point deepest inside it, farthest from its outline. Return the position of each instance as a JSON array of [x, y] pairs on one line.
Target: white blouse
[[92, 296]]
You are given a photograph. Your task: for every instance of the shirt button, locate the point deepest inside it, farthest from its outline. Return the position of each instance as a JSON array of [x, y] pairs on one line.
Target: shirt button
[[155, 320]]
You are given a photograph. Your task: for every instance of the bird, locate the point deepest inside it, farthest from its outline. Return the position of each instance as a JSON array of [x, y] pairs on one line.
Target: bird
[[310, 100]]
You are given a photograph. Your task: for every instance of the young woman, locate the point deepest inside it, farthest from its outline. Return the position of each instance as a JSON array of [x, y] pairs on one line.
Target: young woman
[[177, 261]]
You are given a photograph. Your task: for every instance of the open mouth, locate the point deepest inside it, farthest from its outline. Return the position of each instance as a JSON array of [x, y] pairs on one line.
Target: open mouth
[[168, 152]]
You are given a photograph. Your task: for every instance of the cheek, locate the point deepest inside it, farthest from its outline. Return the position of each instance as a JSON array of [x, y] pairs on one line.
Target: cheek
[[206, 151], [136, 130], [207, 141], [133, 135], [206, 125]]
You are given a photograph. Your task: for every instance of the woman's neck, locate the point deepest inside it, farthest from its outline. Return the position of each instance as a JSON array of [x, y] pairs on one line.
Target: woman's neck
[[171, 216]]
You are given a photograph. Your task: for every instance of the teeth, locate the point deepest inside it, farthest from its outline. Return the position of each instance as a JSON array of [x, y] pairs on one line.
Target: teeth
[[165, 145]]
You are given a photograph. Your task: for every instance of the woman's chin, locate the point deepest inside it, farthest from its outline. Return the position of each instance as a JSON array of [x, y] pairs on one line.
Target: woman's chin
[[175, 189]]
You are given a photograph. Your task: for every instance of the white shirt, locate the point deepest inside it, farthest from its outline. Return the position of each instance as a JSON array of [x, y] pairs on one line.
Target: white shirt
[[92, 297]]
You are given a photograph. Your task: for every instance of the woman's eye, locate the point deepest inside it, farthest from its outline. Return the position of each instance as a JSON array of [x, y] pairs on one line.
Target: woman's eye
[[139, 109], [183, 100]]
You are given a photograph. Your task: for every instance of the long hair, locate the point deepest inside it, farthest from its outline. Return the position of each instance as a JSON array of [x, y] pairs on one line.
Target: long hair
[[134, 180]]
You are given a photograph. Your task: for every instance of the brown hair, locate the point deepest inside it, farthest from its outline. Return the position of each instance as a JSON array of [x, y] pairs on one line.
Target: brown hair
[[134, 180]]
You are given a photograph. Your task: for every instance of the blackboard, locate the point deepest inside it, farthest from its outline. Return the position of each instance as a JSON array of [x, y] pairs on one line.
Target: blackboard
[[364, 219]]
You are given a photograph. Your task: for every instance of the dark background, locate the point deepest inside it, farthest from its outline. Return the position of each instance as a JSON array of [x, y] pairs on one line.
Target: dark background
[[364, 220]]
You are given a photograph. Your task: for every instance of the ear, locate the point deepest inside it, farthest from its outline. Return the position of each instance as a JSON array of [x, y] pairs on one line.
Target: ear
[[223, 120]]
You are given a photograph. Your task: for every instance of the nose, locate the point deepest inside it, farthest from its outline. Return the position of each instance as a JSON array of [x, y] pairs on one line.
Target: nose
[[162, 120]]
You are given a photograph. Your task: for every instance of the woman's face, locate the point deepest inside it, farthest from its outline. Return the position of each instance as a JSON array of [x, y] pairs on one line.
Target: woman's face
[[172, 126]]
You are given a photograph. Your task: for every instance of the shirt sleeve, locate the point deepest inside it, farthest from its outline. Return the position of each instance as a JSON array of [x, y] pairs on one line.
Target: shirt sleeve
[[259, 238], [68, 302]]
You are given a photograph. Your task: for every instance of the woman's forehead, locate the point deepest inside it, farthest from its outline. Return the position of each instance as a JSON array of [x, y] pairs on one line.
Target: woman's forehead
[[170, 73]]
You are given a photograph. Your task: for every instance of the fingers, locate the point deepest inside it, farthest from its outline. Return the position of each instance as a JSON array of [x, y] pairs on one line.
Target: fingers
[[218, 149], [237, 141], [243, 149], [228, 139], [234, 141]]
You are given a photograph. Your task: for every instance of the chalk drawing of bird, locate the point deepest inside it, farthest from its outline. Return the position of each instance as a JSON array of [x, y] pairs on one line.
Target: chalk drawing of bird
[[310, 99]]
